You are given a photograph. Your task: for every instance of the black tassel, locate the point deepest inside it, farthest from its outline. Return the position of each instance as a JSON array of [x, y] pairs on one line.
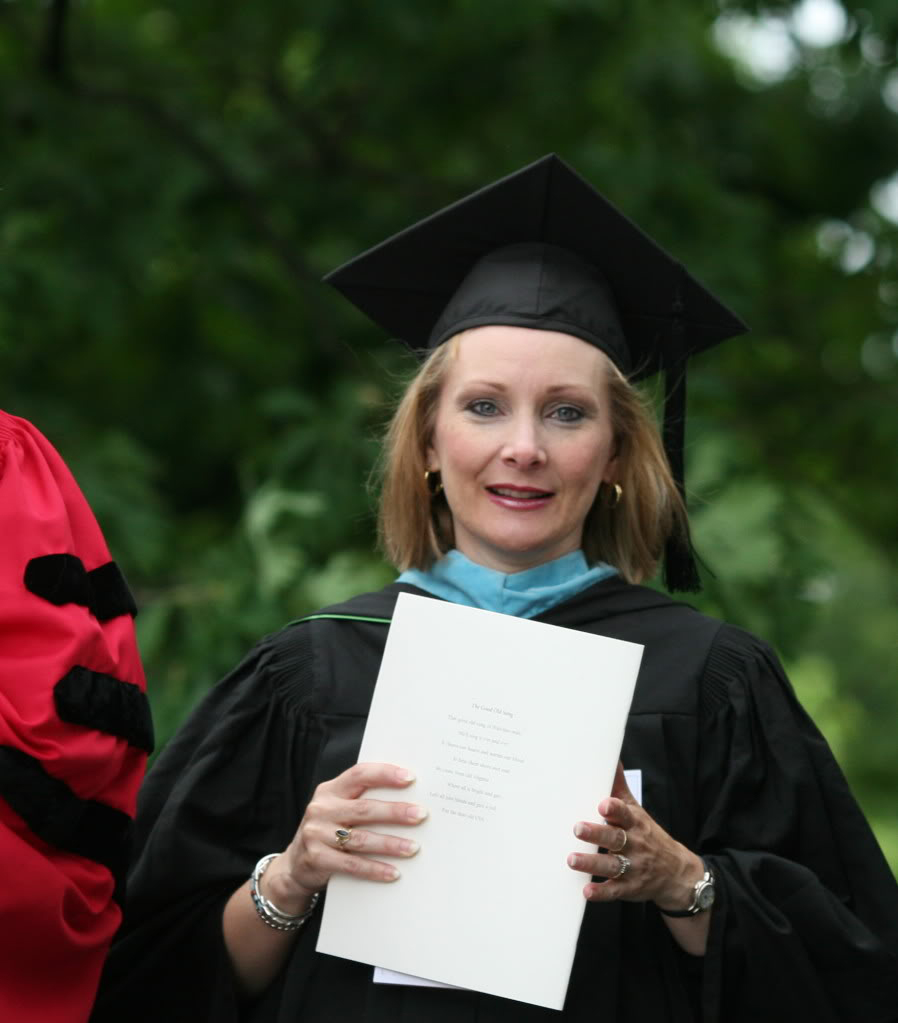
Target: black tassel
[[680, 569]]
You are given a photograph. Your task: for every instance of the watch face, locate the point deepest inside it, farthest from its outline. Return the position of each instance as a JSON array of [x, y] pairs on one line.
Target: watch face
[[705, 898]]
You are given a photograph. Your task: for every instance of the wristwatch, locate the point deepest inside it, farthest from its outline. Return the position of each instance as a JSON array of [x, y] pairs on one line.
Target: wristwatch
[[702, 897]]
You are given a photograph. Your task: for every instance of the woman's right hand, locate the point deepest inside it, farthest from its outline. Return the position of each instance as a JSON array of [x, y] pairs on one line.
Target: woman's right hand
[[256, 951], [314, 854]]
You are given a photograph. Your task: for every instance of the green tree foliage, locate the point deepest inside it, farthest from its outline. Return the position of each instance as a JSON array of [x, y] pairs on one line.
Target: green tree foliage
[[175, 179]]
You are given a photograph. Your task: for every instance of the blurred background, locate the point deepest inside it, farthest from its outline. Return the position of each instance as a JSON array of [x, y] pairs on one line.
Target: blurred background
[[175, 179]]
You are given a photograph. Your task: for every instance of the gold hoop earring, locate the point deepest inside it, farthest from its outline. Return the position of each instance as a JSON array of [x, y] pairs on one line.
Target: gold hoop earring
[[433, 488], [618, 490]]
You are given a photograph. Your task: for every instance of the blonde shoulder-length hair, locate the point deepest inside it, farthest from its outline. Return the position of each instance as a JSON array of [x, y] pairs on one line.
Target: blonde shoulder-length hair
[[415, 527]]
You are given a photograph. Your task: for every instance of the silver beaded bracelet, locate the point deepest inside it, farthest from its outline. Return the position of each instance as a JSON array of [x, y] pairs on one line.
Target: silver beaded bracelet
[[268, 911]]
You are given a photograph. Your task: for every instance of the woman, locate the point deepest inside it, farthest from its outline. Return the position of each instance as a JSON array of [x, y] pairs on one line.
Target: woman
[[522, 475]]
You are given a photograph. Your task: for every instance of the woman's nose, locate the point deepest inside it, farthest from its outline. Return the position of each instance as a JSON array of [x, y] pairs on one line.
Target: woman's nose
[[523, 446]]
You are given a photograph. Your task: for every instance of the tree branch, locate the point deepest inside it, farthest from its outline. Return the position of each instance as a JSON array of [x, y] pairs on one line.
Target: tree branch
[[56, 66]]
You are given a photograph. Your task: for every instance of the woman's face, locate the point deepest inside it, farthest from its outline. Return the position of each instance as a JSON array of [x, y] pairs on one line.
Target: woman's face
[[522, 440]]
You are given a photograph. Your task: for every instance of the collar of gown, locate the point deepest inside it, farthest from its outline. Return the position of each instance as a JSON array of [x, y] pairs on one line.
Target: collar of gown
[[523, 594]]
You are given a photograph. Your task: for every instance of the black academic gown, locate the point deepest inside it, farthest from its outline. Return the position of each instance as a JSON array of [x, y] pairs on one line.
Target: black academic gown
[[806, 921]]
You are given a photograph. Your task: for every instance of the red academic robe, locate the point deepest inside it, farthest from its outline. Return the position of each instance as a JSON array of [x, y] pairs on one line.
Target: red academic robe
[[74, 735]]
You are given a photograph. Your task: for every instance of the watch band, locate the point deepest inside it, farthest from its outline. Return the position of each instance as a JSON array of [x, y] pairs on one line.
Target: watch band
[[702, 897]]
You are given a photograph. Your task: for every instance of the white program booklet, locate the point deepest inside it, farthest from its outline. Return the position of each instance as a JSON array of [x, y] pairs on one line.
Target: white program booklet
[[513, 729]]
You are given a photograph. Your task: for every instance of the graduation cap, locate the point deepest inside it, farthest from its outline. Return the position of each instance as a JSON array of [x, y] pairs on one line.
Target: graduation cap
[[541, 248]]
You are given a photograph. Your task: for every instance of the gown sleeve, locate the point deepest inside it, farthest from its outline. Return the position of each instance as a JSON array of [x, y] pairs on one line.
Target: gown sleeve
[[75, 731], [226, 790], [806, 920]]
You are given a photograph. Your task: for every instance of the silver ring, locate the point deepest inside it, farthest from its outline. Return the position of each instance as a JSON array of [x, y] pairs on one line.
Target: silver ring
[[343, 836], [624, 866]]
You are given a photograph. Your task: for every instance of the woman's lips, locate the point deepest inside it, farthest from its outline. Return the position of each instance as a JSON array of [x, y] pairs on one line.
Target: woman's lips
[[519, 498]]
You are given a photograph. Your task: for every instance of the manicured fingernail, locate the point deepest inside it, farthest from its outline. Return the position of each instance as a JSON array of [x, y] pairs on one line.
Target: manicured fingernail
[[581, 830], [416, 813], [403, 775], [573, 860], [409, 847], [391, 874]]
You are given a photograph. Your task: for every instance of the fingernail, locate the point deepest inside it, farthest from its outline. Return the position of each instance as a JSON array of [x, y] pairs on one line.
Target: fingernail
[[581, 830], [409, 847], [403, 775], [416, 813], [391, 874], [572, 860]]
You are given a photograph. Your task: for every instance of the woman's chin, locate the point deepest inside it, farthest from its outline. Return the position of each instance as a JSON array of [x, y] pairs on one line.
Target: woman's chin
[[511, 557]]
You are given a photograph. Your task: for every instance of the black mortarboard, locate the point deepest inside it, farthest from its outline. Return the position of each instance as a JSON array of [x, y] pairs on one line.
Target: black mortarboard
[[542, 248]]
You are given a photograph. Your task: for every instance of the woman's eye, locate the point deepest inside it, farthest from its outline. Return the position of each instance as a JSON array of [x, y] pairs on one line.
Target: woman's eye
[[483, 407], [568, 413]]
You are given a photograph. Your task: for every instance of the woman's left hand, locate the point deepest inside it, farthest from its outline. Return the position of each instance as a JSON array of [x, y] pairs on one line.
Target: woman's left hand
[[656, 868]]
